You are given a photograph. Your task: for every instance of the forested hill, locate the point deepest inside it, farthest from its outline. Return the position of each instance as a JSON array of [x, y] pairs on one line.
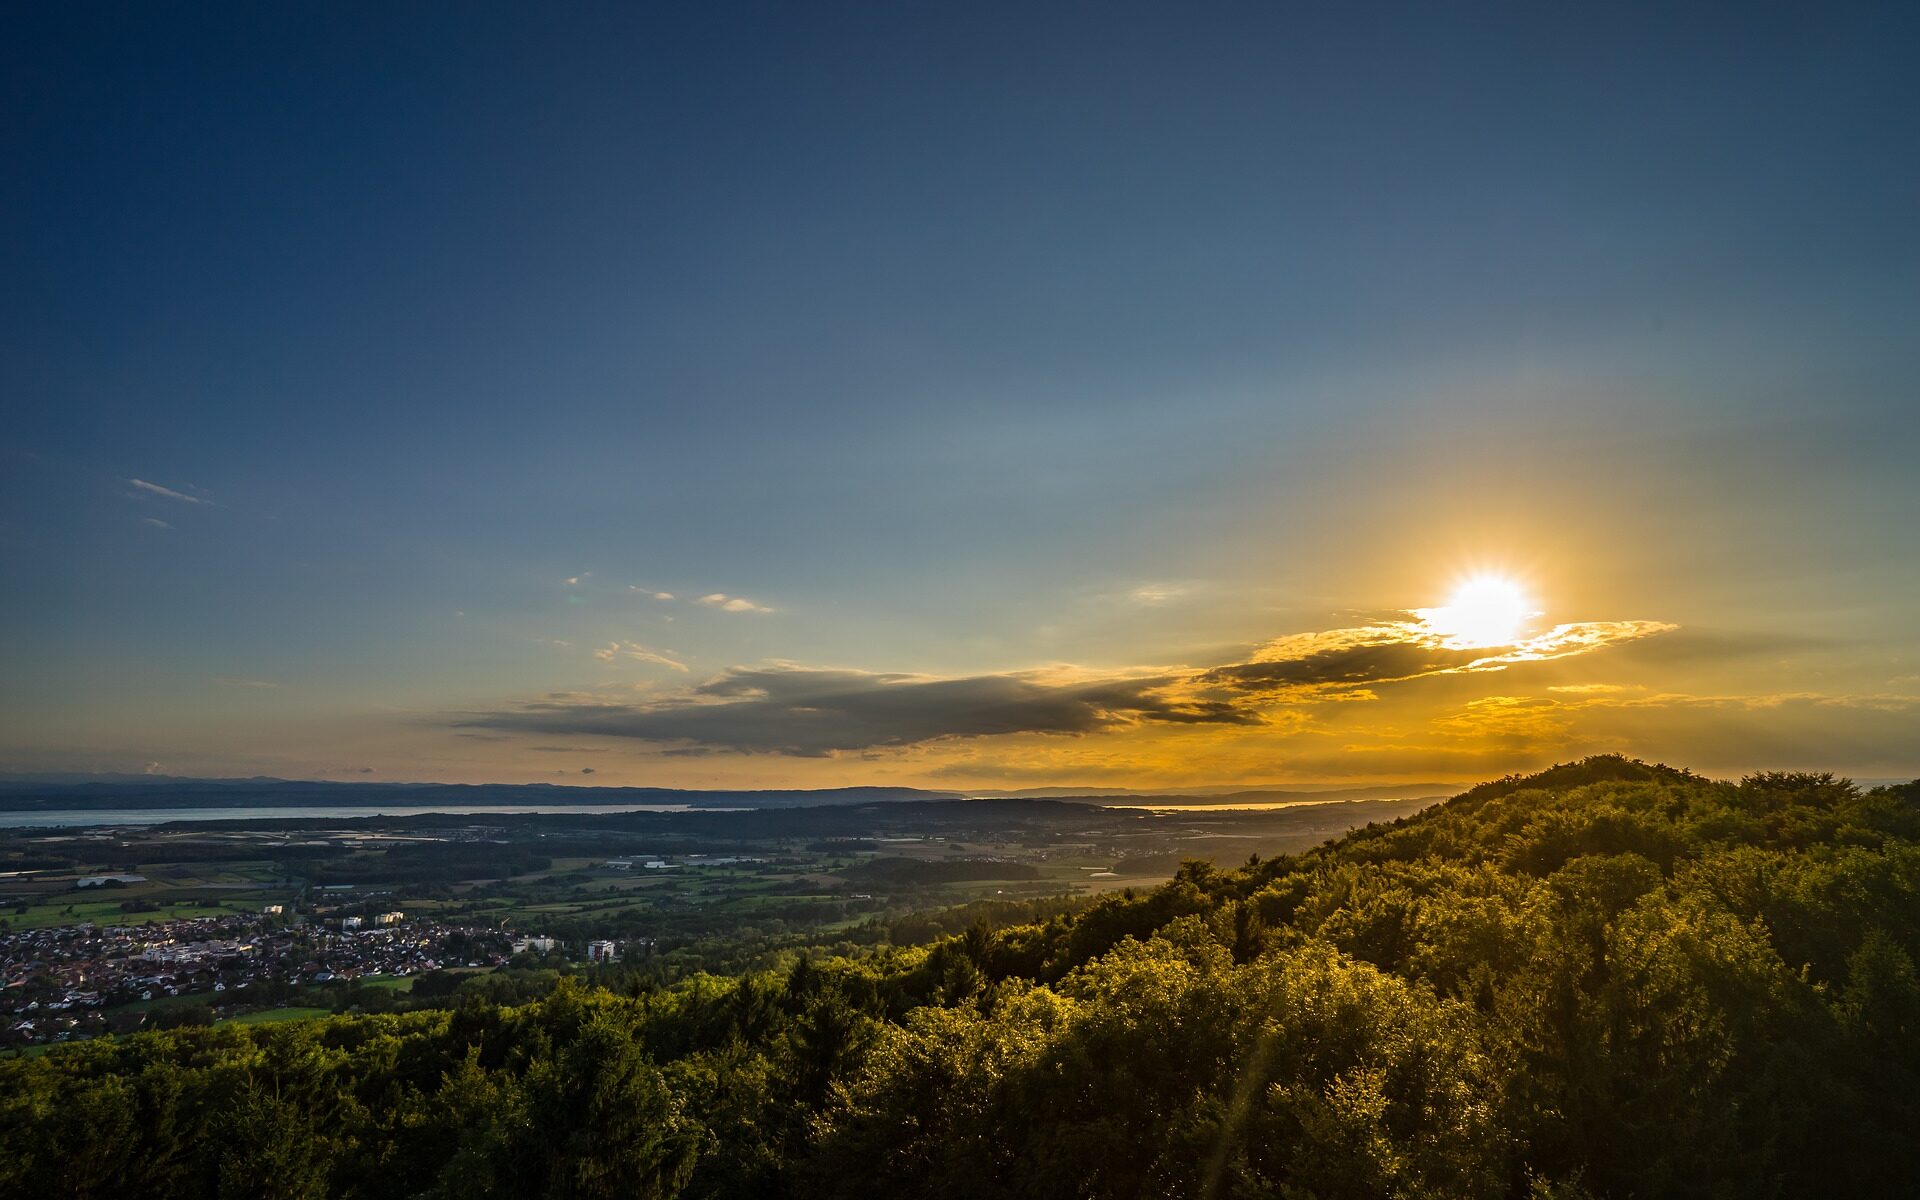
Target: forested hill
[[1607, 980]]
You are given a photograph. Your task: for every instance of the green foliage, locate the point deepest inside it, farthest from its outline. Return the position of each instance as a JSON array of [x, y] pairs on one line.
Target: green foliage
[[1609, 980]]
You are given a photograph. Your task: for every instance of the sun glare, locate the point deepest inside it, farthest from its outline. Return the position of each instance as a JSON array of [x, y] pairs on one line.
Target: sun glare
[[1484, 611]]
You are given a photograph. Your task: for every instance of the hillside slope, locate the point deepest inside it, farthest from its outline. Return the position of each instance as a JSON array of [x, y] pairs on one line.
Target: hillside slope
[[1609, 979]]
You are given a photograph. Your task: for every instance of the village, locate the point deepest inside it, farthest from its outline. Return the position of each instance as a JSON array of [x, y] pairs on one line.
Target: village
[[61, 982]]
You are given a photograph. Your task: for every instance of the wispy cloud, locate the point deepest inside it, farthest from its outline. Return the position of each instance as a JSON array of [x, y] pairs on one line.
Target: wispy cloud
[[638, 653], [1154, 594], [156, 522], [155, 489], [245, 683], [649, 592], [732, 604]]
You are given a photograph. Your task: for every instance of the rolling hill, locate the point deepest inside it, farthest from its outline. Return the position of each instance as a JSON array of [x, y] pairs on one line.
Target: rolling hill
[[1609, 979]]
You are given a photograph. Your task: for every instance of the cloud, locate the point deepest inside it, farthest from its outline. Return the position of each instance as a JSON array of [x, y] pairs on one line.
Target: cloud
[[156, 522], [577, 580], [245, 683], [1156, 593], [1399, 651], [156, 490], [1341, 657], [787, 709], [1516, 721], [734, 604], [638, 653], [1565, 641], [649, 592]]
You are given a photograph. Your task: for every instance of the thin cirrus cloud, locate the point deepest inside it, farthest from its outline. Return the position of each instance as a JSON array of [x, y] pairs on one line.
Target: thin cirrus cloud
[[790, 709], [154, 489], [1155, 594], [718, 600], [636, 652], [732, 604]]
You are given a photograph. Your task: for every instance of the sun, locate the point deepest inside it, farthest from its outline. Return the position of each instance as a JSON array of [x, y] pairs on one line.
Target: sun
[[1484, 611]]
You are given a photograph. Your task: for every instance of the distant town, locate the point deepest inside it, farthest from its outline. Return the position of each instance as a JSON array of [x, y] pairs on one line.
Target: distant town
[[67, 982]]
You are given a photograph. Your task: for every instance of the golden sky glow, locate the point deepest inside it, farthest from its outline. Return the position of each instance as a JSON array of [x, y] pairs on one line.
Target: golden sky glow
[[1493, 678], [885, 410], [1263, 713]]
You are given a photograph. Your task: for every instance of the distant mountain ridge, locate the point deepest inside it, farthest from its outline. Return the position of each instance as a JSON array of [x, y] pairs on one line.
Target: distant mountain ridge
[[1215, 793], [168, 792], [1262, 796]]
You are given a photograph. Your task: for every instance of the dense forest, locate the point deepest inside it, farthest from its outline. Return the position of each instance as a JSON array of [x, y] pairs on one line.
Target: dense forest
[[1606, 980]]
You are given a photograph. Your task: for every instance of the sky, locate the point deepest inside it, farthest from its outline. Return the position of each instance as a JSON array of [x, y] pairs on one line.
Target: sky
[[965, 396]]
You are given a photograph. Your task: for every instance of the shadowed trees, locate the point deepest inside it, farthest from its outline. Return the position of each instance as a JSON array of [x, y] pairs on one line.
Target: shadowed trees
[[1610, 980]]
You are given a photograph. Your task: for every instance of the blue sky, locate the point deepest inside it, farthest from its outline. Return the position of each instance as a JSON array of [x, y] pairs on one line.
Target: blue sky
[[1070, 346]]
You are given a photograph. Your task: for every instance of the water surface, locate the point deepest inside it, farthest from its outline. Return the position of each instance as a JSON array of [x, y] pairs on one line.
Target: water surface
[[55, 818]]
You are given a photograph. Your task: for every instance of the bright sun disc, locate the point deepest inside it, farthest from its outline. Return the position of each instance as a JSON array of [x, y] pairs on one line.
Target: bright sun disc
[[1486, 610]]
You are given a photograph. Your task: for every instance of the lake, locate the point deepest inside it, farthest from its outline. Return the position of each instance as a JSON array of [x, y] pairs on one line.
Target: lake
[[55, 818]]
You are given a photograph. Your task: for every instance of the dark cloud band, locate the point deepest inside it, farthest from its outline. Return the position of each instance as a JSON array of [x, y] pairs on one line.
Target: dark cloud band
[[794, 710], [801, 711]]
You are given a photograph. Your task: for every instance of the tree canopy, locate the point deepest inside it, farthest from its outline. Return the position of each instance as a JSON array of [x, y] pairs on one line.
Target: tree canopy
[[1610, 979]]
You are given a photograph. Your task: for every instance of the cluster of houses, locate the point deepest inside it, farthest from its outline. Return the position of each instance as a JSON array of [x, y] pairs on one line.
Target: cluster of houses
[[597, 952], [379, 919], [47, 975]]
